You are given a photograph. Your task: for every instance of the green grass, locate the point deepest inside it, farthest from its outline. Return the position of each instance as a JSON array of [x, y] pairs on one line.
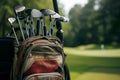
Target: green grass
[[94, 46], [79, 63], [94, 53]]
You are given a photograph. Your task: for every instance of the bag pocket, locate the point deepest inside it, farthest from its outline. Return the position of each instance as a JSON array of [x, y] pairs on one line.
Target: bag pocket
[[45, 76]]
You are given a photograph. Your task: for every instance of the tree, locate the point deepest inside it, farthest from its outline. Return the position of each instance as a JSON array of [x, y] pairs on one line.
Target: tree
[[109, 13], [96, 25], [82, 21]]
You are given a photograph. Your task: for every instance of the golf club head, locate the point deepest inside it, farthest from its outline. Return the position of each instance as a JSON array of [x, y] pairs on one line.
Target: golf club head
[[47, 12], [36, 13], [11, 20], [56, 15], [24, 14], [19, 8], [63, 19]]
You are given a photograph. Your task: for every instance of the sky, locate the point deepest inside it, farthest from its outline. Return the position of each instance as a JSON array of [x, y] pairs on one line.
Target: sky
[[68, 4]]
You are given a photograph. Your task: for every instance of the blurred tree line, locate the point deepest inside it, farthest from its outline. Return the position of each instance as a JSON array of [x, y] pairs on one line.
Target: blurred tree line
[[97, 22]]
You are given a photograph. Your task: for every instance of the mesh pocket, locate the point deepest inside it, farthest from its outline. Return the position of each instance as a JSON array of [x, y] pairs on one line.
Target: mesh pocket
[[45, 76]]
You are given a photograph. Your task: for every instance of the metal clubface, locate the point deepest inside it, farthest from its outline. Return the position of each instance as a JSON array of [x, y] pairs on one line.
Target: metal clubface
[[11, 20], [47, 12], [62, 19], [56, 15], [36, 13], [19, 8]]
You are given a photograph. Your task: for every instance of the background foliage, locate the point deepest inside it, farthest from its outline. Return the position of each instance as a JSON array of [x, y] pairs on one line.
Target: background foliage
[[97, 22]]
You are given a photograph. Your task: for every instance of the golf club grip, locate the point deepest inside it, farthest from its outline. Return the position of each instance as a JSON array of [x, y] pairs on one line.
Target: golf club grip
[[38, 28], [44, 30]]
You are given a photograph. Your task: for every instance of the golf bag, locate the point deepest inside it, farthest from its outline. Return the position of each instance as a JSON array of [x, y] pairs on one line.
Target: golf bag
[[40, 58]]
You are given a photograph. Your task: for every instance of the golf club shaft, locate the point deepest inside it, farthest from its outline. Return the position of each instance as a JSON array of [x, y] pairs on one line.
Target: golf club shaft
[[44, 31], [15, 35], [52, 27], [31, 26], [41, 24], [20, 28], [27, 30], [38, 28], [50, 30], [26, 26]]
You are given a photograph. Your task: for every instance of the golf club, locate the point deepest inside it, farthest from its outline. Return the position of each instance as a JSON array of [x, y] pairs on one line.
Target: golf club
[[38, 28], [58, 18], [62, 19], [26, 26], [11, 21], [23, 17], [37, 14], [60, 32], [18, 9], [27, 21], [46, 12], [54, 16], [41, 24]]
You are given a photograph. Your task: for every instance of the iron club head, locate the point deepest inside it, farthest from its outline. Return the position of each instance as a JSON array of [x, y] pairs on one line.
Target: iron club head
[[11, 20], [19, 8], [63, 19], [56, 15], [47, 12], [36, 13]]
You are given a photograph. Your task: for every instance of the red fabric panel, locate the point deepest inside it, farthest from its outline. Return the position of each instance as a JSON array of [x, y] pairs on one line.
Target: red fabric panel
[[43, 66]]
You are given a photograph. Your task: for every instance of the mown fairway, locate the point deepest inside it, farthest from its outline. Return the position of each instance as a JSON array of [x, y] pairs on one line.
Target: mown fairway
[[97, 65]]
